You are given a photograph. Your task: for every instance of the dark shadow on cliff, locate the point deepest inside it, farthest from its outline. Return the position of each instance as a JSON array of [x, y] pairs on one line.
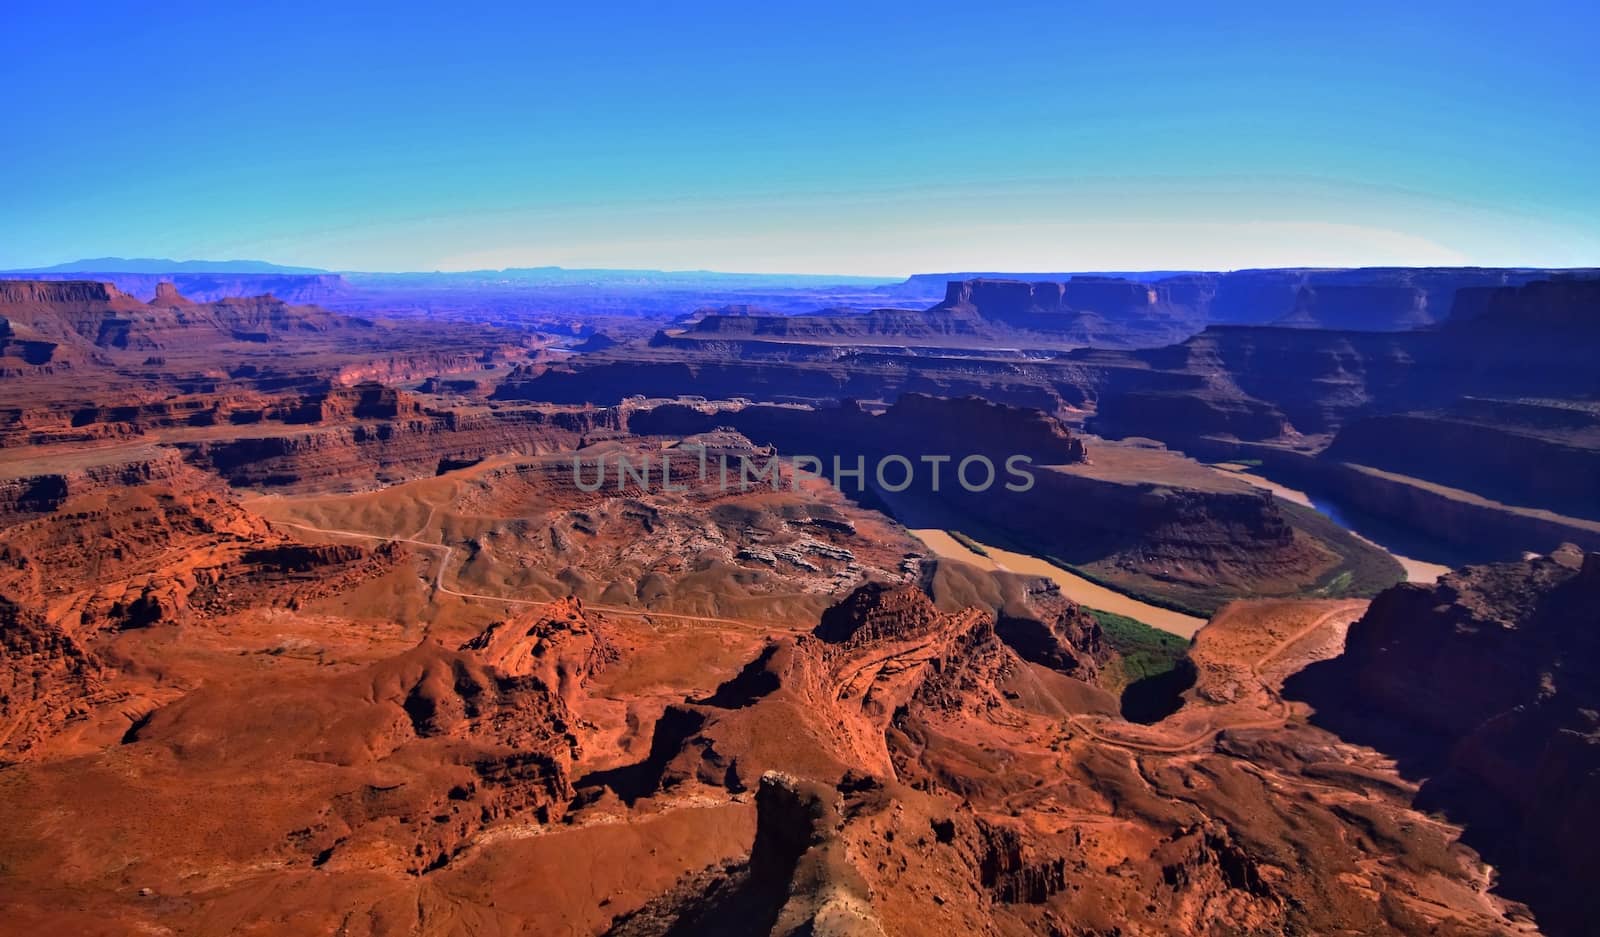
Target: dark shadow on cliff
[[1328, 687], [643, 778], [726, 902], [1508, 836], [795, 866], [1158, 696]]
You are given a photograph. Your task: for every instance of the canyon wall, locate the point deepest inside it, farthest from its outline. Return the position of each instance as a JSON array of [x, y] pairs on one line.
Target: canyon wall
[[395, 448], [1488, 684], [1520, 454], [1164, 529], [209, 287]]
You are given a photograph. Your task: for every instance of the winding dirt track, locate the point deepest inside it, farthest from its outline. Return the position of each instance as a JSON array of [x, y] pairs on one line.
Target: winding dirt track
[[1276, 722]]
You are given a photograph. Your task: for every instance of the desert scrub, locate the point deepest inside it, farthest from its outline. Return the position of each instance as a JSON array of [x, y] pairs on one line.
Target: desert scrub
[[968, 542], [1144, 651]]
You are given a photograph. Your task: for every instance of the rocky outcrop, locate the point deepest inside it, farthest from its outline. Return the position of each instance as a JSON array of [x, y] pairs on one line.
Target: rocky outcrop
[[30, 494], [66, 292], [139, 543], [880, 324], [396, 369], [1179, 416], [798, 848], [1055, 633], [21, 355], [878, 612], [47, 678], [101, 316], [555, 645], [414, 755], [822, 703], [799, 879], [323, 404], [168, 295], [978, 426]]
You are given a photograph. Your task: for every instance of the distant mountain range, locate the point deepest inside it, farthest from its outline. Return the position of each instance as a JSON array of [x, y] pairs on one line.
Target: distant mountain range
[[158, 265], [520, 276]]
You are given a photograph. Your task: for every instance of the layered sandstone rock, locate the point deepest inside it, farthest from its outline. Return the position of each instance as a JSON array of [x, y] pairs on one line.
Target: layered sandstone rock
[[399, 765], [372, 433], [1360, 308], [1524, 453], [209, 287], [168, 295], [968, 829], [916, 425], [555, 645], [102, 316], [135, 543], [1566, 304], [1088, 310], [29, 493], [47, 678]]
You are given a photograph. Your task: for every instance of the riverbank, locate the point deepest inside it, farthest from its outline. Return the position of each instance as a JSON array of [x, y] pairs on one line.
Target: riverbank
[[1074, 587], [1417, 570]]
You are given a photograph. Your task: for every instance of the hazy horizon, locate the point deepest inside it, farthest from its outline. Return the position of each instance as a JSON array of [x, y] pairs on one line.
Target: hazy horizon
[[202, 266]]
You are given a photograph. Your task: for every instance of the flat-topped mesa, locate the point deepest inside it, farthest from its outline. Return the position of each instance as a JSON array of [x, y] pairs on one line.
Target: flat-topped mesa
[[208, 287], [100, 317], [61, 292], [1099, 293], [1019, 302], [916, 424], [981, 426], [1564, 305], [1374, 308]]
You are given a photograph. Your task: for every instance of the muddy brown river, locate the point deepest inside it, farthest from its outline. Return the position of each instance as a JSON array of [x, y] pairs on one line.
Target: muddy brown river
[[1076, 588]]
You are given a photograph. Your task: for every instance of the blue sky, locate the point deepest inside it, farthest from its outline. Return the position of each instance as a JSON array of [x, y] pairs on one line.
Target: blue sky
[[831, 138]]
